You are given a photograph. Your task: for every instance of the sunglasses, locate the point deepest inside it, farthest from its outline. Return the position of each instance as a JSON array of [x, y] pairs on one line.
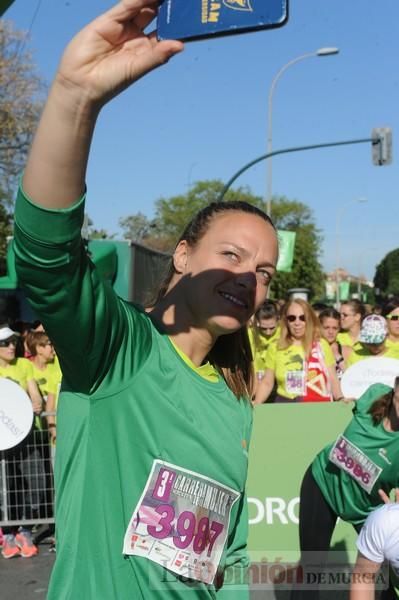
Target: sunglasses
[[292, 318], [6, 343], [392, 317]]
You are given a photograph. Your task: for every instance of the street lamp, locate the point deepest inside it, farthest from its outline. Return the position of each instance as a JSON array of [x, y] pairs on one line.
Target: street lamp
[[340, 214], [319, 52]]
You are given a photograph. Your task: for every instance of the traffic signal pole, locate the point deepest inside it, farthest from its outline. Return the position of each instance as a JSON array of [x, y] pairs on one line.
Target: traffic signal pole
[[378, 140]]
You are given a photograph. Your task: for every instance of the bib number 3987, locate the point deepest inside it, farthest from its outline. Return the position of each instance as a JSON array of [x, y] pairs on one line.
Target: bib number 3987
[[202, 535], [181, 521]]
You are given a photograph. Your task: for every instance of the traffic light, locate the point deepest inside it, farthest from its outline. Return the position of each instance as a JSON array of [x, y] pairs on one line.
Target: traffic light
[[381, 146]]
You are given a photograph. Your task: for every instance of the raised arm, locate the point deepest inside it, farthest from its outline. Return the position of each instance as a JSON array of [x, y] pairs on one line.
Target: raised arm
[[106, 57]]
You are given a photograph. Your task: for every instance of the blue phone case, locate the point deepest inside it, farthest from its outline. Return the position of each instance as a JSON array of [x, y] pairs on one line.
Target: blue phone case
[[196, 19]]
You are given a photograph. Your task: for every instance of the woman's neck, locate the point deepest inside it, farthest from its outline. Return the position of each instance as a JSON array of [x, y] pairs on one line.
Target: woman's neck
[[39, 362], [354, 332]]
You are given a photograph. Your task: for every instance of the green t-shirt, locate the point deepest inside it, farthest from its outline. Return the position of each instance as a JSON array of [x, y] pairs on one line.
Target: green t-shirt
[[289, 360], [128, 402], [374, 464]]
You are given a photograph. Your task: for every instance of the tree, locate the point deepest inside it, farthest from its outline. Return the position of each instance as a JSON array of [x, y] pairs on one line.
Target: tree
[[136, 227], [20, 106], [172, 214], [307, 272], [5, 231], [20, 103], [386, 278]]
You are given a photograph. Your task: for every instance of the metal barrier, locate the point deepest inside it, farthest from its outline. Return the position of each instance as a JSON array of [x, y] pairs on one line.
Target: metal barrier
[[26, 480]]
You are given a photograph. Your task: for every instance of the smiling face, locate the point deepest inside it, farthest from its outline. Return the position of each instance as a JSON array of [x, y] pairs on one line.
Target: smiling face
[[296, 321], [224, 278]]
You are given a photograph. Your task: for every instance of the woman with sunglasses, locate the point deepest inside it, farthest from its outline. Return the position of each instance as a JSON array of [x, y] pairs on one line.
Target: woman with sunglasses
[[390, 311], [154, 415], [301, 361], [350, 477], [46, 371], [23, 462], [352, 312]]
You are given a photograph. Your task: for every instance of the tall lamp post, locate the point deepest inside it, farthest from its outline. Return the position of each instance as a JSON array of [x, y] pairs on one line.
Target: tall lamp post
[[340, 214], [320, 52]]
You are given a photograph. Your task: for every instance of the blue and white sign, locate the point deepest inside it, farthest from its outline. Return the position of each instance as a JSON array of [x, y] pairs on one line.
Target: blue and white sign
[[194, 19]]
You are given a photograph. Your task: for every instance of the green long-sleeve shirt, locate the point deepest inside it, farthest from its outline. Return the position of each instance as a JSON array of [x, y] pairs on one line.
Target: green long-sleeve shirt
[[365, 460], [129, 403]]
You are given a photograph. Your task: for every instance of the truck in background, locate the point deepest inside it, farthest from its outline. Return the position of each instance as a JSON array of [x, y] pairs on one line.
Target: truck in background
[[134, 271]]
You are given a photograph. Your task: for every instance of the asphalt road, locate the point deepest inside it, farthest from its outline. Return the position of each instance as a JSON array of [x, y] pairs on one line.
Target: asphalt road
[[26, 578]]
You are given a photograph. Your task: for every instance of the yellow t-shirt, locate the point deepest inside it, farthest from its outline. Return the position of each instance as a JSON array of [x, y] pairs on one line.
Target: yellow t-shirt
[[345, 339], [391, 344], [48, 379], [19, 370], [360, 354], [259, 348], [207, 371], [291, 359]]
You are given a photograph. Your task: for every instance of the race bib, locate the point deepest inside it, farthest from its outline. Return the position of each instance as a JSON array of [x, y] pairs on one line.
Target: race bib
[[181, 521], [353, 461], [295, 382]]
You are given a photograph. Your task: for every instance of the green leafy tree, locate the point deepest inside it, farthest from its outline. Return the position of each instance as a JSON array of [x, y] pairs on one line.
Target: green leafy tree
[[91, 233], [172, 214], [20, 105], [386, 278], [307, 272], [136, 227]]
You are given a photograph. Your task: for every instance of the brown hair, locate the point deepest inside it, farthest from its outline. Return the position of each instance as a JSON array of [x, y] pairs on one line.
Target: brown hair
[[381, 407], [268, 310], [35, 339], [231, 354], [312, 329], [356, 305]]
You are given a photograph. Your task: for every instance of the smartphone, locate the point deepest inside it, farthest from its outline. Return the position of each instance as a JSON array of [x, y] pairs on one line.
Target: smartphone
[[200, 19]]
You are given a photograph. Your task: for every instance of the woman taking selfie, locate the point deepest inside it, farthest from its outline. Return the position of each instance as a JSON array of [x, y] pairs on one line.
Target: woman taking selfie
[[301, 361], [154, 418]]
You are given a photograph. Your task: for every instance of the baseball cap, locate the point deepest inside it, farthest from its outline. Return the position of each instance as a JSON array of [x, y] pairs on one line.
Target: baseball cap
[[6, 332], [373, 330]]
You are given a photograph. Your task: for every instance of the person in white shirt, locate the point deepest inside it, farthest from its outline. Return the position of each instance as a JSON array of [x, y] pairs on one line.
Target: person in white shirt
[[378, 542]]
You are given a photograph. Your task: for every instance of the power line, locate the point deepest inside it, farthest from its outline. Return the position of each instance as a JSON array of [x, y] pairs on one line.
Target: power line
[[33, 19]]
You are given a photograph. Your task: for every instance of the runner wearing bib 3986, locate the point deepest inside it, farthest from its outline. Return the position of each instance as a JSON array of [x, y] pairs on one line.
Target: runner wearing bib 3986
[[346, 478]]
